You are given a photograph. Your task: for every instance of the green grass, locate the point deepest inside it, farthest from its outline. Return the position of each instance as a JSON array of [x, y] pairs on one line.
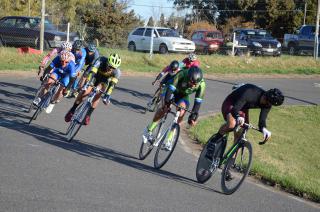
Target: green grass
[[141, 62], [291, 158]]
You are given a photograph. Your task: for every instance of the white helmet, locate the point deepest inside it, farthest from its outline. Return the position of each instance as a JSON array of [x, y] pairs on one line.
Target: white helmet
[[66, 46], [192, 57]]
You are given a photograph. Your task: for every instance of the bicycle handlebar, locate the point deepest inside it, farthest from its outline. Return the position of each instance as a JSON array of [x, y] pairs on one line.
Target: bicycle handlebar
[[182, 108], [249, 126]]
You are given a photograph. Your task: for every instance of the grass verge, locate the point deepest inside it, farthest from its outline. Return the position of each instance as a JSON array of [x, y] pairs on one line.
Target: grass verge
[[290, 160], [135, 61]]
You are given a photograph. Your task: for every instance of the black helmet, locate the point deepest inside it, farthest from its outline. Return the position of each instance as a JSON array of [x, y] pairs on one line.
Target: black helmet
[[77, 44], [92, 47], [275, 96], [174, 65], [195, 74]]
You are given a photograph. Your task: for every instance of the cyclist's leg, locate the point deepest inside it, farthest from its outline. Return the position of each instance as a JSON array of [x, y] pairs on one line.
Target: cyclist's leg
[[183, 102], [64, 83]]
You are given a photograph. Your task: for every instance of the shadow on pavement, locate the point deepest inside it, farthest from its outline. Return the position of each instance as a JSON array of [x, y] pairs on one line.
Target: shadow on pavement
[[134, 93], [58, 139], [128, 106]]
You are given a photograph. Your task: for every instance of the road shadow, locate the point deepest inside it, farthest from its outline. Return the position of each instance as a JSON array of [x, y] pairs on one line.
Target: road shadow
[[134, 93], [22, 87], [82, 148], [128, 106]]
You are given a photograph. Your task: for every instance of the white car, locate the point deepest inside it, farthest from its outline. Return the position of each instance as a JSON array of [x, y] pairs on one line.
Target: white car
[[164, 40]]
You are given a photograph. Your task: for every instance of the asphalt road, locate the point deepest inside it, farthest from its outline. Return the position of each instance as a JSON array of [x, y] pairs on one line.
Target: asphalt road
[[99, 171]]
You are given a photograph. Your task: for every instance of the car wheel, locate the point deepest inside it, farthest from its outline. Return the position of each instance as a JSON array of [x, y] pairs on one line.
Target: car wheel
[[163, 49], [292, 49], [132, 46]]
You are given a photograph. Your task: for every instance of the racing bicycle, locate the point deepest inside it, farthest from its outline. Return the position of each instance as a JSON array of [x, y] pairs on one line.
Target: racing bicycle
[[237, 161]]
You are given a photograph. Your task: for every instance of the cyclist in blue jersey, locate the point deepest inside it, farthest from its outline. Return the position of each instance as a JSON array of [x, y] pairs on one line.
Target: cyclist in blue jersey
[[63, 69], [80, 55], [91, 57]]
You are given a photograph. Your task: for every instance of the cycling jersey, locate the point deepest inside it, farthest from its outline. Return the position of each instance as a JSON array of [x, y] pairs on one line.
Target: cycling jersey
[[244, 98], [99, 73], [52, 53], [80, 57], [181, 90], [63, 73], [91, 58], [169, 74], [188, 63]]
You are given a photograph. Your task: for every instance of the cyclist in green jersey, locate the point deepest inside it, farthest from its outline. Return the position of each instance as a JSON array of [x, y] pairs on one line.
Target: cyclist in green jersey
[[186, 82]]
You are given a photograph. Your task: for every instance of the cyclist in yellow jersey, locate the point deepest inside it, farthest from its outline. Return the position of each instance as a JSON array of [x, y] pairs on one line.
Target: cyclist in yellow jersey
[[104, 74]]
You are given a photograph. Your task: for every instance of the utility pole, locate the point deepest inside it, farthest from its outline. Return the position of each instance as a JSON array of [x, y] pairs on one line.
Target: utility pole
[[305, 13], [29, 13], [316, 37], [42, 24]]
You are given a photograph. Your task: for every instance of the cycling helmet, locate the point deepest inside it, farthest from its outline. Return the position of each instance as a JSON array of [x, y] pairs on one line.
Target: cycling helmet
[[66, 46], [275, 96], [195, 74], [92, 47], [174, 65], [77, 44], [114, 60], [192, 57], [65, 55]]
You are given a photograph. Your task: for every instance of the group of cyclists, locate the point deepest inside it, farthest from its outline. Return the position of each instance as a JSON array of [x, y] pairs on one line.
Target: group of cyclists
[[179, 79]]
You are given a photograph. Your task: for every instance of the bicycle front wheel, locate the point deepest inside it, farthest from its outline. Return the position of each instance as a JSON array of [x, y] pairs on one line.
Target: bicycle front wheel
[[146, 148], [236, 168], [166, 146], [77, 122]]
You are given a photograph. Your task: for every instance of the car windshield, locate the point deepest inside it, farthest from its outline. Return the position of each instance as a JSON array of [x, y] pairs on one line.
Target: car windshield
[[261, 35], [167, 33], [35, 23], [213, 35]]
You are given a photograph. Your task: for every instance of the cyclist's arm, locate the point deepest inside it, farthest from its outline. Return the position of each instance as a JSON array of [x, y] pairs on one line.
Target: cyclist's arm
[[94, 70], [263, 117], [162, 73], [71, 70], [198, 99], [46, 59], [114, 80]]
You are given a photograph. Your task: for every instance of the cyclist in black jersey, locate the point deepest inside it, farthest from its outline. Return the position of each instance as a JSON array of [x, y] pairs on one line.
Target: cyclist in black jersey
[[235, 110]]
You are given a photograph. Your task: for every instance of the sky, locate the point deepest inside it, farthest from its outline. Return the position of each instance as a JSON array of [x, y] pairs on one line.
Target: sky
[[147, 8]]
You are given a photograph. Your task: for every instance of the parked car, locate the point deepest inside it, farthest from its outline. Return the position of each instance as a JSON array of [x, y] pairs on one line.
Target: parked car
[[301, 42], [207, 41], [164, 40], [258, 42], [19, 31]]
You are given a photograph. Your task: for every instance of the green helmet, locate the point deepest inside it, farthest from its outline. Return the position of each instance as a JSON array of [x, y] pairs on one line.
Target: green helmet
[[114, 60]]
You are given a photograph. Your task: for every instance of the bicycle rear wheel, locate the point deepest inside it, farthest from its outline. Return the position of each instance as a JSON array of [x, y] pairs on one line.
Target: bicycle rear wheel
[[166, 146], [206, 167], [238, 165], [146, 148], [77, 122]]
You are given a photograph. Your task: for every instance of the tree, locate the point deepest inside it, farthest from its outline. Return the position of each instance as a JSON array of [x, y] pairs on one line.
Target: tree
[[109, 23], [150, 21]]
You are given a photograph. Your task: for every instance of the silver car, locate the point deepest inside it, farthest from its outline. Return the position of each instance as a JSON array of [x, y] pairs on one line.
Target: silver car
[[164, 40]]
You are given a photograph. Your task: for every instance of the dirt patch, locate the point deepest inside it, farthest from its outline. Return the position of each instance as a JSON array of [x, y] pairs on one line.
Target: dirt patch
[[33, 72]]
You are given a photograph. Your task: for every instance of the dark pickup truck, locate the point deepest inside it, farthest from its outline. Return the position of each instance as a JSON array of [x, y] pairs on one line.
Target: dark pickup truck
[[302, 42], [20, 31]]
